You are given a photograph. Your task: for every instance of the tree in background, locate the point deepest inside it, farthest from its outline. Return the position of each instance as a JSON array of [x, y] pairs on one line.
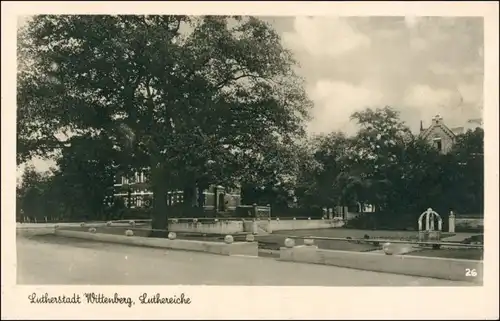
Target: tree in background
[[198, 100], [467, 162], [33, 195], [385, 165]]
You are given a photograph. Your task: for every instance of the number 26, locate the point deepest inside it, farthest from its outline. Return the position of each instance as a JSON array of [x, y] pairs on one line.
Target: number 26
[[470, 272]]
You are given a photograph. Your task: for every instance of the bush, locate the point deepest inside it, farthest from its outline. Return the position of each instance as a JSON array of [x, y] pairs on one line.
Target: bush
[[382, 221]]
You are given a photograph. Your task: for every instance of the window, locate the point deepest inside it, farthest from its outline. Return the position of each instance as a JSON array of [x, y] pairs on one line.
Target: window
[[438, 144]]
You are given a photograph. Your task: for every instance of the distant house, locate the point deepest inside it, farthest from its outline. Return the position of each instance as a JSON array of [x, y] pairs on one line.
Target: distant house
[[438, 135], [135, 192], [441, 136]]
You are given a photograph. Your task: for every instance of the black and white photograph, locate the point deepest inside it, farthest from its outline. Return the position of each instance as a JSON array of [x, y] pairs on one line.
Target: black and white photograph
[[249, 150]]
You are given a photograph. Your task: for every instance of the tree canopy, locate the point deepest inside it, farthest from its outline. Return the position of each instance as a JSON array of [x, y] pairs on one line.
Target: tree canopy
[[198, 100]]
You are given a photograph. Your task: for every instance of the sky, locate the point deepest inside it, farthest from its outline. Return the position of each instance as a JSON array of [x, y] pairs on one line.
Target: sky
[[421, 66]]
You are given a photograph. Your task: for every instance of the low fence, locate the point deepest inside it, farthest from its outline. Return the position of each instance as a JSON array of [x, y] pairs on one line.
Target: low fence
[[228, 225], [434, 267], [208, 226], [395, 257], [231, 226]]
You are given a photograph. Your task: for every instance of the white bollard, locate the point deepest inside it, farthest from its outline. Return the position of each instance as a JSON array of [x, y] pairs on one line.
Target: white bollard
[[228, 239], [289, 243], [129, 233], [388, 250], [172, 236]]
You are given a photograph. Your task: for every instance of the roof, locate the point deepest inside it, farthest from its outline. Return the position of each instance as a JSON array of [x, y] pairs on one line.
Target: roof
[[426, 132]]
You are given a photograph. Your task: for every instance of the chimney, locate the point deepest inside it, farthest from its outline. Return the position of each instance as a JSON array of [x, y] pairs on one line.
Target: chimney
[[421, 126]]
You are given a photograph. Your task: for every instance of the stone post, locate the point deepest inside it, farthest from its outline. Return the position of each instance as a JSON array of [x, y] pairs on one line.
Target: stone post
[[255, 229], [451, 222], [254, 210], [330, 214]]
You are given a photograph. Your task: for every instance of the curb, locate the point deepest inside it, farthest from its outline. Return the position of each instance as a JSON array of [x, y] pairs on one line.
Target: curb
[[221, 248]]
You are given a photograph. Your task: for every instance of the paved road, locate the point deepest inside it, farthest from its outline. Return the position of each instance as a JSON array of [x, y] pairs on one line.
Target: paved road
[[56, 260]]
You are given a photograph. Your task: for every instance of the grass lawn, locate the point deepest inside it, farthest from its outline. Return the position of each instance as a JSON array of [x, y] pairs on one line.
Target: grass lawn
[[341, 232]]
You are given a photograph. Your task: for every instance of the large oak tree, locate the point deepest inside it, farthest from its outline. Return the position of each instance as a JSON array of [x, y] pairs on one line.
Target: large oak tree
[[198, 100]]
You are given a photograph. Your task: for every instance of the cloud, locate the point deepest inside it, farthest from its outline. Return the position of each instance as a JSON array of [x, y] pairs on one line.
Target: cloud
[[455, 105], [418, 65], [336, 101], [330, 36]]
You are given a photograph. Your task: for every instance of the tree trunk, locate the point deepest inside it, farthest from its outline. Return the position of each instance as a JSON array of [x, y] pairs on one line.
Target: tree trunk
[[201, 196], [189, 196], [159, 219]]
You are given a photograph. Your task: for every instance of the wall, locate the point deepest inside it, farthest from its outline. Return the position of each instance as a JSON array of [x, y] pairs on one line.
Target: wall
[[221, 227], [235, 227], [283, 225], [442, 268], [236, 248]]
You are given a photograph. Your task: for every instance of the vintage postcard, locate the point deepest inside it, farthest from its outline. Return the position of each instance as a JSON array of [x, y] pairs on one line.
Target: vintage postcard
[[253, 160]]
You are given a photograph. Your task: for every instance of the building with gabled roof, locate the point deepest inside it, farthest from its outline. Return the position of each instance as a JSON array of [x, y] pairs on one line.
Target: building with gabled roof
[[439, 135], [443, 137]]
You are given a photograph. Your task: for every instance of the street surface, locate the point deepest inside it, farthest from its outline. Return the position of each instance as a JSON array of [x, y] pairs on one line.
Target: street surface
[[57, 260]]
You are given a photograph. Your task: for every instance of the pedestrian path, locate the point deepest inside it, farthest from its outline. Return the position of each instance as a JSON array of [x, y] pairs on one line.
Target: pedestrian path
[[60, 261], [458, 237]]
